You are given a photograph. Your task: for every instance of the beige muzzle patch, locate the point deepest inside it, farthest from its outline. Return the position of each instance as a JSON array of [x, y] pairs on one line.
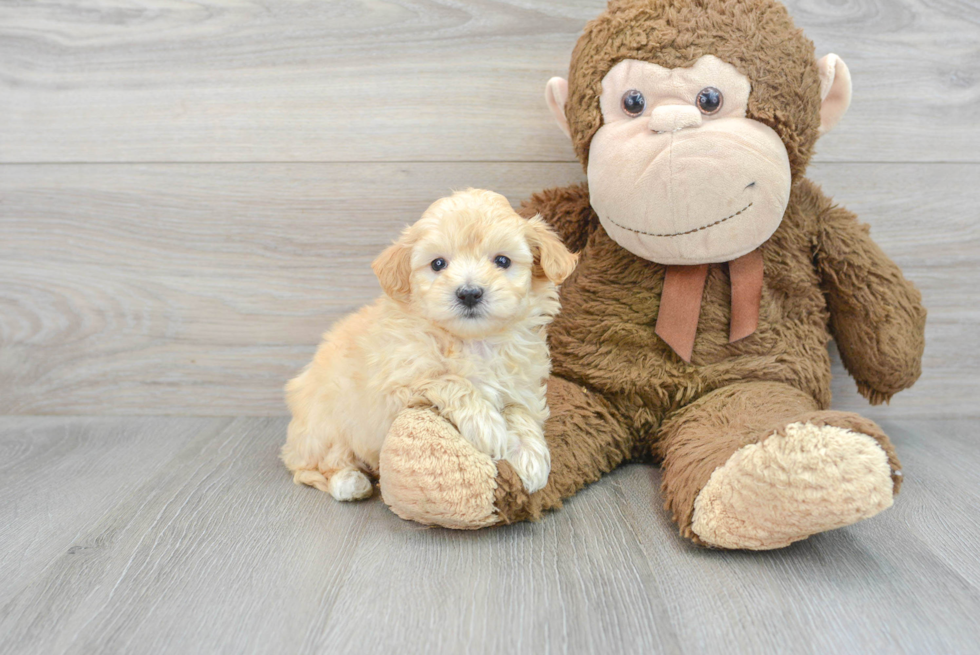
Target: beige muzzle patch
[[679, 183]]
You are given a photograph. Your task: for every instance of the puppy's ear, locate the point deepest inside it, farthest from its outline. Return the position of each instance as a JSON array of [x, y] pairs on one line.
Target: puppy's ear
[[551, 258], [394, 269]]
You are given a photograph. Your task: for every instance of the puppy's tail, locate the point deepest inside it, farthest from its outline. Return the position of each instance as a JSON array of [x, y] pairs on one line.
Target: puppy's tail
[[312, 478]]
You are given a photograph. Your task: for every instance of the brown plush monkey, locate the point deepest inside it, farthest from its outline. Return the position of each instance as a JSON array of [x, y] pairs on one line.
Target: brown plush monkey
[[713, 273]]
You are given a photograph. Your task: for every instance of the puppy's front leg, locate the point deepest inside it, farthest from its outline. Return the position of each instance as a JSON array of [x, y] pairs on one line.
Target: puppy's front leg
[[478, 421], [529, 453]]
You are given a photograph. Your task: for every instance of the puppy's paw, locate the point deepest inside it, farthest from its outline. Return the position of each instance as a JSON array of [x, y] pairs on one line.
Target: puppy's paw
[[532, 462], [350, 484], [487, 431]]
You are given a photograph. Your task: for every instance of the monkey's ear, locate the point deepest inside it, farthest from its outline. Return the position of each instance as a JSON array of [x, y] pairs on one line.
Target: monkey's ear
[[556, 93], [394, 269], [835, 91], [551, 258]]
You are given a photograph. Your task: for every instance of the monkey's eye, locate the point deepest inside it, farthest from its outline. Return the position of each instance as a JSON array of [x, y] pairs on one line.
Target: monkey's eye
[[634, 103], [501, 261], [438, 264], [710, 101]]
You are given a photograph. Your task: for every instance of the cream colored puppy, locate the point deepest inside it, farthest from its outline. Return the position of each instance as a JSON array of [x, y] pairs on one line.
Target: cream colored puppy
[[470, 289]]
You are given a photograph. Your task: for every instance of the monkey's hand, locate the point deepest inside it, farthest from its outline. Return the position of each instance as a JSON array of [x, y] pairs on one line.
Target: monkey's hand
[[876, 315], [567, 210]]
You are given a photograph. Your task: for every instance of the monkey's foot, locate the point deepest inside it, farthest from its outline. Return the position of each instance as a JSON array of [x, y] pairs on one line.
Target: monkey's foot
[[431, 475], [802, 480]]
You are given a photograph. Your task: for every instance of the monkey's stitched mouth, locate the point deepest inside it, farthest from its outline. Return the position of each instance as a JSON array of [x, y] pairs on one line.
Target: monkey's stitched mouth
[[680, 234]]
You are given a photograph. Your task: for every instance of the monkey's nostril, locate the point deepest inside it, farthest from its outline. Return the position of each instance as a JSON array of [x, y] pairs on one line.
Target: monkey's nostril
[[750, 186], [469, 296]]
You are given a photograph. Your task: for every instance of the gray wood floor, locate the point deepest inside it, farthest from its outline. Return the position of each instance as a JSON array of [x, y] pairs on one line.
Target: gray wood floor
[[185, 535], [191, 192]]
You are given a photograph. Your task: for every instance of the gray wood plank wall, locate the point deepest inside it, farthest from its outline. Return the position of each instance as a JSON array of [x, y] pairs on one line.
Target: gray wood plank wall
[[191, 192]]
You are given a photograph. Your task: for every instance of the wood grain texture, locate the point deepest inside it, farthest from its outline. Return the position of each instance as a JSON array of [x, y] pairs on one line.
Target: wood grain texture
[[200, 289], [413, 80], [179, 287], [58, 475], [214, 550]]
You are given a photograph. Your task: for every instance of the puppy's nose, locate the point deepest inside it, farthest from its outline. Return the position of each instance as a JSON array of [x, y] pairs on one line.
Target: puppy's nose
[[469, 296]]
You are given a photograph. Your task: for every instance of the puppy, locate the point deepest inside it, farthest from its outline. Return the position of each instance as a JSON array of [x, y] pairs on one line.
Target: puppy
[[470, 289]]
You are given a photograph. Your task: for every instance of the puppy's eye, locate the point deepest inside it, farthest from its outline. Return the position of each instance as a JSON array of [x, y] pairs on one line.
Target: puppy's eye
[[634, 103], [438, 264], [501, 261], [710, 101]]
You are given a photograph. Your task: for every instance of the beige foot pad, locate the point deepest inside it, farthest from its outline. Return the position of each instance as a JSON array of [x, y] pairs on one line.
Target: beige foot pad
[[802, 480], [431, 475]]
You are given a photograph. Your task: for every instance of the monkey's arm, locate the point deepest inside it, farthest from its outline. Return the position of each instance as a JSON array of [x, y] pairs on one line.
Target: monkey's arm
[[876, 315], [567, 211]]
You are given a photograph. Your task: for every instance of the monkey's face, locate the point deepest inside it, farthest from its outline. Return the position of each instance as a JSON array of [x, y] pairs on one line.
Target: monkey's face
[[677, 173]]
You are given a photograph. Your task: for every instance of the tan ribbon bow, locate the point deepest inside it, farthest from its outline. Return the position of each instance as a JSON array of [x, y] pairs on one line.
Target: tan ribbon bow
[[680, 302]]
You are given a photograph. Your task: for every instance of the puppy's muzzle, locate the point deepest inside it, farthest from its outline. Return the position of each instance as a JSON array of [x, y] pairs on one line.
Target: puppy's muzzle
[[469, 297]]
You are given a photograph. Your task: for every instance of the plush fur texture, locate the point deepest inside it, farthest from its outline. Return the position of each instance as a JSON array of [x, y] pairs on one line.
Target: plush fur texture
[[802, 480], [749, 34], [619, 392], [434, 480], [482, 367], [675, 185]]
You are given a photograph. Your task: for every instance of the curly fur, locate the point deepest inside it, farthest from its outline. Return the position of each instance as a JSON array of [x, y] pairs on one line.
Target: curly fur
[[418, 346]]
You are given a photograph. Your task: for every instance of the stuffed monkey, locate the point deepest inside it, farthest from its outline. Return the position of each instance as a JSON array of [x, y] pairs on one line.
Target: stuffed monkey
[[712, 276]]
